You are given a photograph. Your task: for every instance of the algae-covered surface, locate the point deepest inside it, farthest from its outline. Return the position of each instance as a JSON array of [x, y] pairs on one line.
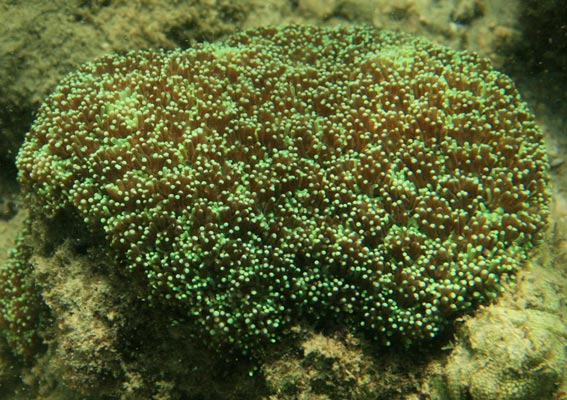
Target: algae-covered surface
[[96, 339]]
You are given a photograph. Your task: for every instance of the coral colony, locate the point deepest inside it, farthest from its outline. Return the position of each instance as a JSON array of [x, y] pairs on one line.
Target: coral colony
[[291, 174]]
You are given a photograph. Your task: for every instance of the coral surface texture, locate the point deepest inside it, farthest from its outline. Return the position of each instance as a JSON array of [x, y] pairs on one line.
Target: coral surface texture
[[330, 175]]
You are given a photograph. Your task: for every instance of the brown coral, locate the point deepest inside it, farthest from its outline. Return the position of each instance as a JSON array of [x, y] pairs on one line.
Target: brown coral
[[351, 175]]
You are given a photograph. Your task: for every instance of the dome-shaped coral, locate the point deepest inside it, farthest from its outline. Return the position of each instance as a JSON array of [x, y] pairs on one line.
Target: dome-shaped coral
[[351, 175]]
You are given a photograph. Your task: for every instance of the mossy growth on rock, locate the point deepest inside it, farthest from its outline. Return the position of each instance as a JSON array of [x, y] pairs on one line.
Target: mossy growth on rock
[[349, 176]]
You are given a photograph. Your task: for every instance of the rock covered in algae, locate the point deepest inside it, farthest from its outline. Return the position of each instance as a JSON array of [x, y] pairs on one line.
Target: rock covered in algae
[[367, 178], [515, 349]]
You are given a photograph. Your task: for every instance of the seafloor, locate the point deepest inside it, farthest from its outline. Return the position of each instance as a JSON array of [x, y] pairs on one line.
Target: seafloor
[[515, 348]]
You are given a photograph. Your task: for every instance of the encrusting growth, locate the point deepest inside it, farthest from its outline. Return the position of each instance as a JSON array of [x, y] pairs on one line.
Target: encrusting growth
[[368, 178]]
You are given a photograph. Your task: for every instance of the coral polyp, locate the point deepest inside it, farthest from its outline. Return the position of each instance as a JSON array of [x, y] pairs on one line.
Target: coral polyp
[[352, 175]]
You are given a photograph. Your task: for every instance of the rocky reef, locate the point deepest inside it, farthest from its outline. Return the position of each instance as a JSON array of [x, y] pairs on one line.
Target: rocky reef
[[221, 202]]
